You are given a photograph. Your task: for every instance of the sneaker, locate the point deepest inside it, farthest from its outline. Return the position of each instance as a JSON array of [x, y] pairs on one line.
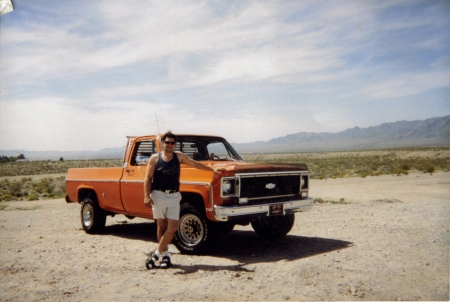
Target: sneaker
[[152, 260], [165, 262]]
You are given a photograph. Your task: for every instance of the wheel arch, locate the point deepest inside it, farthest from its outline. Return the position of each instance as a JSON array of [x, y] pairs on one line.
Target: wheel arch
[[87, 192], [195, 199]]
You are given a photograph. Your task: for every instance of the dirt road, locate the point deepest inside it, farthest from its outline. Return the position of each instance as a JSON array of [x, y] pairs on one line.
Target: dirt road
[[391, 242]]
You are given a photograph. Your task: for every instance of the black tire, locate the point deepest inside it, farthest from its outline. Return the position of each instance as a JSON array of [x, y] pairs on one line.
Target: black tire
[[93, 218], [193, 231], [273, 227]]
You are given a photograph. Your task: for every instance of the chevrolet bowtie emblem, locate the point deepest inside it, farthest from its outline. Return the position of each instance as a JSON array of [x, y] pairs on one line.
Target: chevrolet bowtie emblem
[[270, 186]]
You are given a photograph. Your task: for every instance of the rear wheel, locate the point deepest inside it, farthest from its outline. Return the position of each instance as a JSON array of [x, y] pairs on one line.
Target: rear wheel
[[93, 218], [273, 226], [193, 230]]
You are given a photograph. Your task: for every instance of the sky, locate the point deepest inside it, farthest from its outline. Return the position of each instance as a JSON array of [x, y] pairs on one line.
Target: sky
[[82, 75]]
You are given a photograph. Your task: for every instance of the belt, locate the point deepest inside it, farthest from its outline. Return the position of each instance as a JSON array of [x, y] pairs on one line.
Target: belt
[[168, 191]]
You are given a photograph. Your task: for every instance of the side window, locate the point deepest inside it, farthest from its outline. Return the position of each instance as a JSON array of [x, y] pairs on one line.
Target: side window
[[218, 149], [192, 149], [142, 152]]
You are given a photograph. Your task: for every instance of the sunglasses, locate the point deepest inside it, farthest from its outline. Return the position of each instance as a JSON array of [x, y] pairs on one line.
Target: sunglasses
[[169, 143]]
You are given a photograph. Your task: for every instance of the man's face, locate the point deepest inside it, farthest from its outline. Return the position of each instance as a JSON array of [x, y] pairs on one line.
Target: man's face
[[169, 144]]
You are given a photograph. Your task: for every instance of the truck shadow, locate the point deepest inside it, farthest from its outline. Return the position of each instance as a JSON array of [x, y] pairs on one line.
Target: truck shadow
[[145, 231], [244, 247], [248, 245], [247, 248]]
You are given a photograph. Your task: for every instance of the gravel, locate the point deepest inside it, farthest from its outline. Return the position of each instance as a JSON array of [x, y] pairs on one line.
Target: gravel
[[390, 242]]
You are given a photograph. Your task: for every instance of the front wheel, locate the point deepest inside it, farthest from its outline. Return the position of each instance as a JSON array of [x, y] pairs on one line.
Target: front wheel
[[273, 226], [93, 218], [193, 230]]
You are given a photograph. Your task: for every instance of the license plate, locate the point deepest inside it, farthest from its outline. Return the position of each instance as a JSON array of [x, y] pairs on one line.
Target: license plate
[[275, 210]]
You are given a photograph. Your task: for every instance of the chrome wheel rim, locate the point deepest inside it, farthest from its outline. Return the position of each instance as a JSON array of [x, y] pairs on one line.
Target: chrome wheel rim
[[88, 215], [191, 230]]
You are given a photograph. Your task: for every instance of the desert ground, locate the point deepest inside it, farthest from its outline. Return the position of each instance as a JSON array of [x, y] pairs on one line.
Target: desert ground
[[374, 238]]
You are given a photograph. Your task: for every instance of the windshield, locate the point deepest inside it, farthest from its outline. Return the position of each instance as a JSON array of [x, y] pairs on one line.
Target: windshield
[[206, 148]]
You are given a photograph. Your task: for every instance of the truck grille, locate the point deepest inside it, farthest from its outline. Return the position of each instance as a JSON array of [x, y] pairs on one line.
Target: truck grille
[[256, 187]]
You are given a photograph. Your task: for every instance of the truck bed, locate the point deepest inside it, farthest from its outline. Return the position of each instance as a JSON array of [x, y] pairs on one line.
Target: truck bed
[[105, 182]]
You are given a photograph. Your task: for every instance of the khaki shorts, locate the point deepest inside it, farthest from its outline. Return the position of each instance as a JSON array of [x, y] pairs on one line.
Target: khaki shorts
[[166, 205]]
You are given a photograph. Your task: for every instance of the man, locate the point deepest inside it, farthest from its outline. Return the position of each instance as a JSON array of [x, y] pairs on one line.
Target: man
[[161, 193]]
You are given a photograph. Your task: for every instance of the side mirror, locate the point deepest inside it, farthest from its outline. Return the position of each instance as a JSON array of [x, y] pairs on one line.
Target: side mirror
[[142, 160]]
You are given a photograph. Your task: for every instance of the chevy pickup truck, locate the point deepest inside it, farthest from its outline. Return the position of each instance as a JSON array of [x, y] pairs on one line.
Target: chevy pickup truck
[[267, 196]]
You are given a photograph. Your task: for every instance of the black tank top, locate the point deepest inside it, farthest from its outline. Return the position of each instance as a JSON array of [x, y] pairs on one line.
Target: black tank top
[[167, 174]]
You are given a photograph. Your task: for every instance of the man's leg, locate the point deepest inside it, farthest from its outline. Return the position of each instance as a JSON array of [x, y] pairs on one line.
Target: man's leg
[[161, 224], [161, 228], [167, 236]]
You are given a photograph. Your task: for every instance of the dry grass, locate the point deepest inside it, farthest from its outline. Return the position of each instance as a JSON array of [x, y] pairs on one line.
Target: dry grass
[[363, 163], [43, 180], [52, 167]]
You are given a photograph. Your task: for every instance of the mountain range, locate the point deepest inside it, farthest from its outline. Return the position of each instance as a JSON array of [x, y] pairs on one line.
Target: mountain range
[[419, 133]]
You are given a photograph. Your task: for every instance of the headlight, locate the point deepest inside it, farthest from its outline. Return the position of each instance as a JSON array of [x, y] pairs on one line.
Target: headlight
[[227, 187], [304, 182], [230, 186]]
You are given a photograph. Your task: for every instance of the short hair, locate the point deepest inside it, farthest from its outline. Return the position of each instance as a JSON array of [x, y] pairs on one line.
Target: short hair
[[170, 135]]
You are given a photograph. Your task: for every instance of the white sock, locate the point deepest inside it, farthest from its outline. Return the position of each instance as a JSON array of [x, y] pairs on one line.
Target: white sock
[[166, 253]]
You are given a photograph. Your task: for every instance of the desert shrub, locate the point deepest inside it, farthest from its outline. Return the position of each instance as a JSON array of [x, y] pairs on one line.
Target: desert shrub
[[430, 169], [32, 196], [45, 185], [27, 189], [28, 208], [7, 197], [50, 188], [318, 200], [52, 167], [38, 187], [15, 188], [340, 201], [60, 189], [399, 171], [25, 179], [406, 166], [363, 163]]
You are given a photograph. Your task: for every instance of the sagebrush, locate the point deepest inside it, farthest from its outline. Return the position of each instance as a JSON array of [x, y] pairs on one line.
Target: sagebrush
[[321, 165]]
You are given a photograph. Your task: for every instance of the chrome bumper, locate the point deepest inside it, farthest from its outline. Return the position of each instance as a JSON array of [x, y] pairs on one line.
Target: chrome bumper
[[224, 213]]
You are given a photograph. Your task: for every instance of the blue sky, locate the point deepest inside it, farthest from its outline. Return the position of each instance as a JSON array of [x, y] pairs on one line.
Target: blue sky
[[81, 75]]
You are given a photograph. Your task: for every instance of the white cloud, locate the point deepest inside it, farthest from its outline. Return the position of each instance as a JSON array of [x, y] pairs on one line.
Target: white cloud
[[251, 43], [56, 124], [406, 85], [84, 76]]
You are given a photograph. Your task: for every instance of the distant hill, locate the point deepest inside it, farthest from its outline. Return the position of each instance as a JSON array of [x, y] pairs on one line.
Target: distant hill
[[420, 133], [108, 153], [429, 132]]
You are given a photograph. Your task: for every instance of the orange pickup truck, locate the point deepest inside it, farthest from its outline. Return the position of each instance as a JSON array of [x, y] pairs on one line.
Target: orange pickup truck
[[264, 195]]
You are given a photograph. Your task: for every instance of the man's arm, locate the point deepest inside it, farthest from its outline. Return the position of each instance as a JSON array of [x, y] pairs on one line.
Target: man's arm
[[195, 164], [148, 202]]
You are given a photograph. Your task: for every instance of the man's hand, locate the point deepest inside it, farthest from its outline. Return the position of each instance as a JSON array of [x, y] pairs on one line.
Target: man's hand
[[148, 202], [184, 159]]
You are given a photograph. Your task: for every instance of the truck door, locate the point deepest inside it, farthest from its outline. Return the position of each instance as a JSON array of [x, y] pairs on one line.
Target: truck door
[[132, 183]]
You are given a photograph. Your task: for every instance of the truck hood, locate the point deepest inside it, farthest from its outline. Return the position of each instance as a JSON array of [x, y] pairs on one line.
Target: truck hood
[[241, 168]]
